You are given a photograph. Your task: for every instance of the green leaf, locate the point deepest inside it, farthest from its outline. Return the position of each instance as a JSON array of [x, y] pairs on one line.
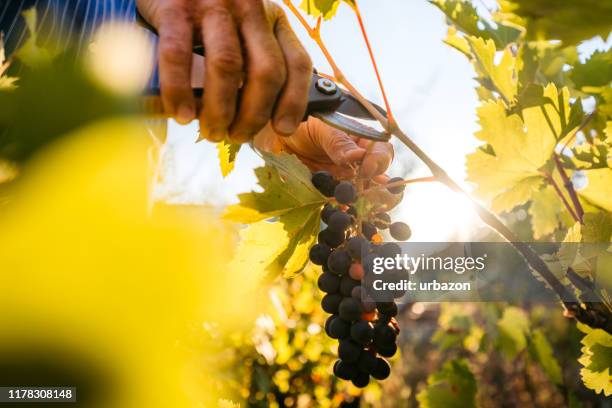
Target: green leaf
[[288, 196], [595, 71], [599, 188], [501, 75], [227, 156], [543, 353], [545, 210], [464, 17], [513, 329], [454, 386], [30, 53], [568, 21], [596, 360]]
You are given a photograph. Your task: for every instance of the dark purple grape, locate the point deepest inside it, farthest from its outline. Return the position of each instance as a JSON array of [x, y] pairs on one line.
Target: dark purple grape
[[357, 247], [357, 292], [350, 309], [345, 192], [347, 284], [332, 239], [344, 370], [362, 332], [400, 231], [361, 380], [339, 262], [380, 369], [319, 254], [339, 221], [387, 308], [324, 182], [330, 303], [388, 250], [397, 189], [329, 283], [387, 351], [339, 329], [327, 211], [384, 335], [367, 362]]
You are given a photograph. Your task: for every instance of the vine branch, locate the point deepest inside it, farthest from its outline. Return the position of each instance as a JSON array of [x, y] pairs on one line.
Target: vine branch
[[573, 307]]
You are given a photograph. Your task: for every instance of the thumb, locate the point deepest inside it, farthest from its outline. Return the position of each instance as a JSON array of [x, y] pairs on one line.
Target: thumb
[[341, 148]]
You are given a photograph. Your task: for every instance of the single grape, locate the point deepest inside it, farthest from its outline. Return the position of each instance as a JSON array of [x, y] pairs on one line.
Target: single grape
[[387, 308], [381, 369], [361, 380], [319, 254], [388, 250], [331, 302], [357, 247], [347, 284], [324, 182], [327, 211], [329, 283], [350, 309], [344, 370], [349, 351], [339, 221], [368, 230], [382, 220], [327, 323], [362, 332], [367, 264], [397, 189], [339, 262], [357, 292], [332, 239], [400, 231], [367, 362], [339, 329], [345, 192], [387, 351], [384, 335], [356, 271]]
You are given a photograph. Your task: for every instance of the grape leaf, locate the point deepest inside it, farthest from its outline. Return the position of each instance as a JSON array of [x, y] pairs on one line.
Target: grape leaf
[[542, 351], [599, 188], [290, 199], [227, 156], [513, 329], [595, 71], [568, 21], [454, 386], [596, 360], [545, 209], [30, 53], [518, 150], [464, 17], [608, 132], [323, 8], [501, 76]]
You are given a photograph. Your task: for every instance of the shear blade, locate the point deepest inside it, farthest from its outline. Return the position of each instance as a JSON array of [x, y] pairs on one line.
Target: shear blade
[[352, 107], [352, 127]]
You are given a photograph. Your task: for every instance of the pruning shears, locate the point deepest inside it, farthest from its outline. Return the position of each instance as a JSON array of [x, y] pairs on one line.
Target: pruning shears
[[326, 101]]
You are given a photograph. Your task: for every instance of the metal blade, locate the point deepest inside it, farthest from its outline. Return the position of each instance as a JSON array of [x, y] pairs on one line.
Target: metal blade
[[352, 107], [351, 127]]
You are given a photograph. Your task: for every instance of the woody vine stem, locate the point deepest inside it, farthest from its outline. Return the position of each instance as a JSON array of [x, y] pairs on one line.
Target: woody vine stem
[[587, 313]]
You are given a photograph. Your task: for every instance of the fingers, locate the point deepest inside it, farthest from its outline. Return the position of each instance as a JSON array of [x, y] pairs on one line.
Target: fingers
[[223, 73], [291, 105], [175, 36], [377, 160], [266, 71], [341, 149]]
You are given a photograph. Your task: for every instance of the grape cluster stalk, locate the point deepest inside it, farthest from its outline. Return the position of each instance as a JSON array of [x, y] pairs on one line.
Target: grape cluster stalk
[[367, 330]]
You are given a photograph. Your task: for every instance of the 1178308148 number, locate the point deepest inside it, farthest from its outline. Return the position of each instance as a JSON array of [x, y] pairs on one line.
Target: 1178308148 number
[[66, 394]]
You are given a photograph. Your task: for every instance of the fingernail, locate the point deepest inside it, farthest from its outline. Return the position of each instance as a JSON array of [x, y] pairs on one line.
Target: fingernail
[[185, 114], [286, 125]]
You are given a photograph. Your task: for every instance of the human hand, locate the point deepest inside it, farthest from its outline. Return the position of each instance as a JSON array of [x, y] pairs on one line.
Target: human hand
[[322, 147], [249, 46]]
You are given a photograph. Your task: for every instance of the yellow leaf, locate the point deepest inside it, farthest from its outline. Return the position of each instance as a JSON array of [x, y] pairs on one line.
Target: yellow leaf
[[227, 156], [502, 75], [456, 41], [544, 210], [599, 189]]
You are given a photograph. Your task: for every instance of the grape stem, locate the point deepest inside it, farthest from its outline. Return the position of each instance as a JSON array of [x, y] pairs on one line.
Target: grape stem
[[593, 317], [399, 183]]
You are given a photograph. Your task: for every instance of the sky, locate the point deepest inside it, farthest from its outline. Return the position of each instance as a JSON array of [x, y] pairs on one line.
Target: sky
[[431, 90]]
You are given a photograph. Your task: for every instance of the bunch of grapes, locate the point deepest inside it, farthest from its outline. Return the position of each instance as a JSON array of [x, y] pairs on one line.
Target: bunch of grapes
[[366, 330]]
